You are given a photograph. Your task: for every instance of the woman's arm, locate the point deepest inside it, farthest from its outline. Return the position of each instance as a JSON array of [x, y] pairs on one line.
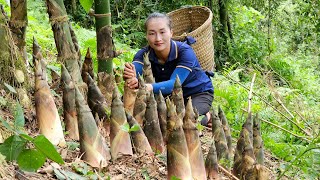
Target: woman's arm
[[166, 87]]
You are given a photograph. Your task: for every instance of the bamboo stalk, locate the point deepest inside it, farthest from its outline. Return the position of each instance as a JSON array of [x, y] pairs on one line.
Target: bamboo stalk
[[18, 25], [250, 93]]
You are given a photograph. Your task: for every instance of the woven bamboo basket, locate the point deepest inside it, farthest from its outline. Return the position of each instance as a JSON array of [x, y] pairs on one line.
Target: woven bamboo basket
[[195, 21]]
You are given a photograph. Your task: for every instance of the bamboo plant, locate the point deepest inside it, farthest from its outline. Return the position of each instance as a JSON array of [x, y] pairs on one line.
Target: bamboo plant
[[92, 144], [177, 150], [152, 127], [194, 144], [120, 139], [46, 110]]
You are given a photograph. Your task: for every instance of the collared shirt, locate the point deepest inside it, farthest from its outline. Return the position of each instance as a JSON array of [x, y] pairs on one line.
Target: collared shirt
[[181, 60]]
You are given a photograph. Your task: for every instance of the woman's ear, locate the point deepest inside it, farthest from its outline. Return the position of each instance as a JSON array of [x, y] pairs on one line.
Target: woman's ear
[[171, 32]]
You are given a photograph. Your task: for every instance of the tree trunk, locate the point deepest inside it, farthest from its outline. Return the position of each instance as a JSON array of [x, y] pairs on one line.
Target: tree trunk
[[12, 67], [18, 25], [223, 33], [67, 52], [105, 46]]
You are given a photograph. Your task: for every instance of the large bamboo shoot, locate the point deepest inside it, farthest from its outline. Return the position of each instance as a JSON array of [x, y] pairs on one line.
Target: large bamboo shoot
[[177, 96], [162, 114], [46, 110], [152, 126], [140, 105], [69, 104], [92, 144], [120, 139], [194, 145], [177, 150], [139, 139]]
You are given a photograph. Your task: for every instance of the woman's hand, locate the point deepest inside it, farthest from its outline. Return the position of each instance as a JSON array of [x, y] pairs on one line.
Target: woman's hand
[[132, 83], [129, 71], [149, 87]]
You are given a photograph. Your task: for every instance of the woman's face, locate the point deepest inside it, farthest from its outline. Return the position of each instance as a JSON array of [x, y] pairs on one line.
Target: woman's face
[[159, 34]]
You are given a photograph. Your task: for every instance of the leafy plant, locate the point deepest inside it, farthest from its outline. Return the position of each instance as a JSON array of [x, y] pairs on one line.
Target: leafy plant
[[30, 153], [126, 127]]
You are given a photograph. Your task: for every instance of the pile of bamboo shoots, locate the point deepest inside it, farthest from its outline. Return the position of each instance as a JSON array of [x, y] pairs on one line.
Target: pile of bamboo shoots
[[143, 123]]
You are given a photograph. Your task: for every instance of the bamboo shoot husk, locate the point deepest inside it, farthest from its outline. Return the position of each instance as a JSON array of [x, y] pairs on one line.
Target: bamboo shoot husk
[[147, 70], [177, 96], [177, 150], [92, 145], [162, 114], [139, 139], [211, 163], [46, 110], [87, 67], [96, 100], [140, 105], [129, 97], [106, 85], [152, 126], [69, 104], [194, 145], [257, 141], [120, 139], [219, 137], [226, 130]]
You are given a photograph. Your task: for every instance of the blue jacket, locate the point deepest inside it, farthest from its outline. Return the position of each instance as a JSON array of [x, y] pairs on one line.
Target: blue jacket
[[183, 62]]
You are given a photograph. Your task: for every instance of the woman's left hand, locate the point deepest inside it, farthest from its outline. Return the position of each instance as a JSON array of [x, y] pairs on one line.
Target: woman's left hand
[[149, 87]]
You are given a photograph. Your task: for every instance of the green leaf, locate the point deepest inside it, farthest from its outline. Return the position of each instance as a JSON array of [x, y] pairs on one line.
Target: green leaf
[[26, 137], [18, 117], [6, 124], [174, 178], [134, 128], [30, 160], [125, 127], [45, 147], [10, 88], [12, 147], [86, 4]]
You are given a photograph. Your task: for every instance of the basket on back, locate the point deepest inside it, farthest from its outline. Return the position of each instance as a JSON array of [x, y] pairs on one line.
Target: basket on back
[[195, 21]]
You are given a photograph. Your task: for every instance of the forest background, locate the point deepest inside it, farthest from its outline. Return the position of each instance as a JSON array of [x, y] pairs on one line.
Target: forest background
[[276, 40]]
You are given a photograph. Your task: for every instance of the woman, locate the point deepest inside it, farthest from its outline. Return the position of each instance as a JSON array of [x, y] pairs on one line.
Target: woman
[[169, 58]]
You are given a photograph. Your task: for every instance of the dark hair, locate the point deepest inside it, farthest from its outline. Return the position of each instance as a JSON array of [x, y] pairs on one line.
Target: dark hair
[[157, 15]]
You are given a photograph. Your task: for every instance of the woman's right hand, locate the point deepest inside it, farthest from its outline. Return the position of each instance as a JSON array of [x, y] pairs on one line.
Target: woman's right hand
[[129, 74], [129, 71]]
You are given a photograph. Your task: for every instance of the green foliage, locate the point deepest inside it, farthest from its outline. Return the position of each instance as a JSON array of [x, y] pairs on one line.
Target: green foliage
[[86, 4], [250, 41], [126, 127], [18, 146]]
